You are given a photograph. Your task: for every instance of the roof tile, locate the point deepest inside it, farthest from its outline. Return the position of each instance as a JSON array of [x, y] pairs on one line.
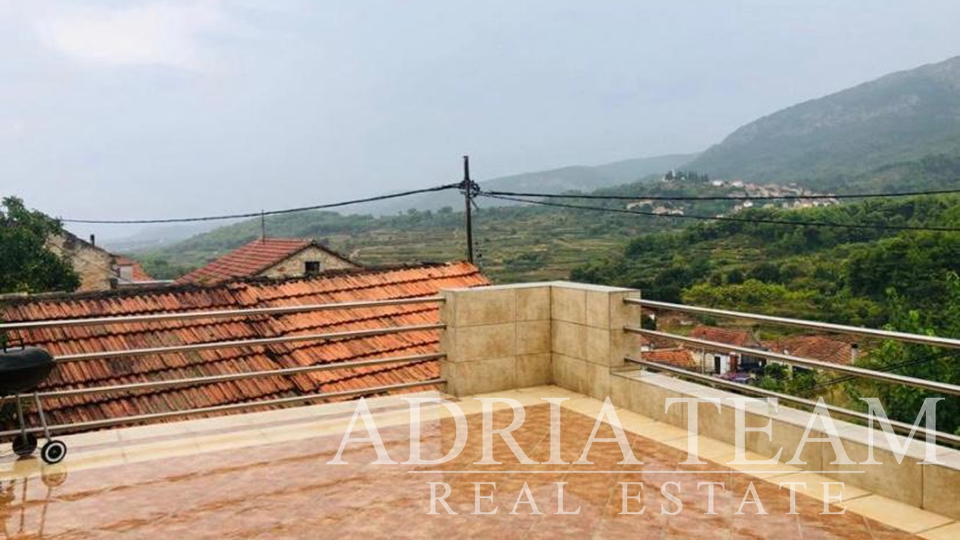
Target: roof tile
[[730, 336], [820, 348], [678, 357], [333, 287]]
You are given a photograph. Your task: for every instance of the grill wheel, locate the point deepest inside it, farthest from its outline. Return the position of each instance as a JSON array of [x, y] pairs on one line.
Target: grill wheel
[[24, 444]]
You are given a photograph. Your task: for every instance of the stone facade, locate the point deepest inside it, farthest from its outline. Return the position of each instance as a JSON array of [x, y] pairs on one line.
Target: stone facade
[[93, 264], [296, 264]]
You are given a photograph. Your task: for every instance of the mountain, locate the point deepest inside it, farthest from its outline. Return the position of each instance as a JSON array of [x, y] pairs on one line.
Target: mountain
[[900, 117], [155, 237], [576, 177]]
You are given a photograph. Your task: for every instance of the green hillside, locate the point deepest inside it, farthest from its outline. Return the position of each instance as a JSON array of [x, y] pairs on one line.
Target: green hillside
[[844, 275], [900, 117], [517, 243], [903, 280]]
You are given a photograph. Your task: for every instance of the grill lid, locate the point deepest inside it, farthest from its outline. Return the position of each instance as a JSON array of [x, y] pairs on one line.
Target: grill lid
[[21, 370]]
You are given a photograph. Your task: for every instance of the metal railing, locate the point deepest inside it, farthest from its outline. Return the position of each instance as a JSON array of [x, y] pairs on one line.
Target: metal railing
[[81, 357], [757, 391], [933, 386], [800, 323], [805, 362], [213, 379], [134, 419], [217, 314], [216, 379]]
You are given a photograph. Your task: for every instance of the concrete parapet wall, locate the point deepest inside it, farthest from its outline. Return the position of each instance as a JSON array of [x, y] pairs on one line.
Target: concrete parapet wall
[[514, 336], [934, 487]]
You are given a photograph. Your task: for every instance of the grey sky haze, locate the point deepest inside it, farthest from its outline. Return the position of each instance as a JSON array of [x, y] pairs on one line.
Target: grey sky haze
[[146, 109]]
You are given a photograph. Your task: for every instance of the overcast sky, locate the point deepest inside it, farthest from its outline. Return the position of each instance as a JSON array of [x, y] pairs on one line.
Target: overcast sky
[[144, 109]]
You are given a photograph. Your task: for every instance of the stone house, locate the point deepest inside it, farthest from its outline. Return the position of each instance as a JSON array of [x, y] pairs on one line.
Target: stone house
[[720, 362], [273, 258], [99, 270]]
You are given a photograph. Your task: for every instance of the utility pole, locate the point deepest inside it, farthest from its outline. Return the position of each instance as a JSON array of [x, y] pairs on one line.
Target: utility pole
[[468, 187], [263, 226]]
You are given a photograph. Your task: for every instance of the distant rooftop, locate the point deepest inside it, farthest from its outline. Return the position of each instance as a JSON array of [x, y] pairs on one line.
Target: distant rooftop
[[822, 348], [678, 357], [255, 257], [731, 336]]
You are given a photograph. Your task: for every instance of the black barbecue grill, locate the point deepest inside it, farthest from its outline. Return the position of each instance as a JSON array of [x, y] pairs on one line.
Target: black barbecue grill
[[21, 370]]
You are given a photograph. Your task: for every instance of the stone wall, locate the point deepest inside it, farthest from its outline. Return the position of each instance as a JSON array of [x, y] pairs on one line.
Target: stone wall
[[294, 266], [92, 264]]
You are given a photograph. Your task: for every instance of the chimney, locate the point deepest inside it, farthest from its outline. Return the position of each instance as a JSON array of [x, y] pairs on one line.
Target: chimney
[[854, 349], [93, 239]]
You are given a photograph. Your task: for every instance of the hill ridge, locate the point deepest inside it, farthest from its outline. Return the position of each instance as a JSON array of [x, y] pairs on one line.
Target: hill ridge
[[897, 117]]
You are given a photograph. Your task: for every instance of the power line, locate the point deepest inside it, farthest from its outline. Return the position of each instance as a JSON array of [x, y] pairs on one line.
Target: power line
[[722, 197], [891, 367], [267, 213], [877, 226]]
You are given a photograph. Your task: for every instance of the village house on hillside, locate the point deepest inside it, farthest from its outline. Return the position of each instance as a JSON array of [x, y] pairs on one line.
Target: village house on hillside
[[833, 351], [99, 270], [330, 287], [724, 363], [721, 363], [270, 257]]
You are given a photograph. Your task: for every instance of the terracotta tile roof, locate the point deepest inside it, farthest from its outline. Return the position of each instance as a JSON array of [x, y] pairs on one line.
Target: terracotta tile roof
[[335, 286], [678, 357], [656, 342], [730, 336], [252, 258], [815, 347]]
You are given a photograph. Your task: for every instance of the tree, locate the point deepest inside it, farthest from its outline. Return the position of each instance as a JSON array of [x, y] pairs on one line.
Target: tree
[[766, 272], [920, 361], [26, 265], [735, 277]]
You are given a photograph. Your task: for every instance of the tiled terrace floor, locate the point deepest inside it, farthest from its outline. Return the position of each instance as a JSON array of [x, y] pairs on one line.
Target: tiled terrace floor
[[266, 476]]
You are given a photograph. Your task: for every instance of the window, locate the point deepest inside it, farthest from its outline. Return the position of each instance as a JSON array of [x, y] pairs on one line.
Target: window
[[752, 363], [311, 267], [125, 272]]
